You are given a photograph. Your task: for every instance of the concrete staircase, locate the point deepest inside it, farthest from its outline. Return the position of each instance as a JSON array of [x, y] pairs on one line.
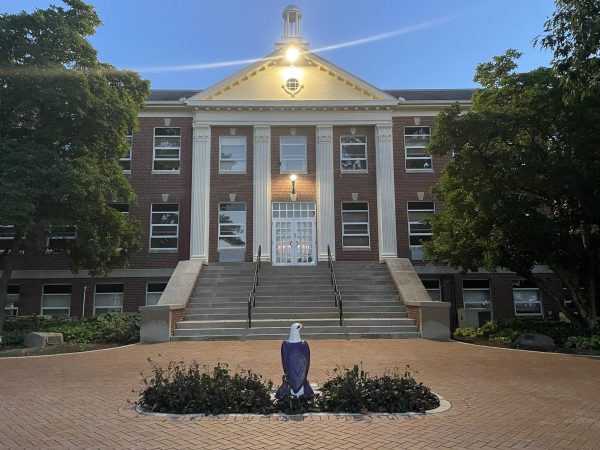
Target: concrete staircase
[[218, 308]]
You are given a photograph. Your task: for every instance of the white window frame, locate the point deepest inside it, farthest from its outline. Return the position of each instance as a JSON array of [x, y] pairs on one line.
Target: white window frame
[[154, 148], [96, 293], [6, 234], [487, 307], [368, 234], [154, 292], [305, 159], [414, 158], [354, 144], [224, 249], [439, 288], [518, 314], [224, 144], [411, 247], [12, 300], [70, 237], [159, 225], [50, 308], [127, 158]]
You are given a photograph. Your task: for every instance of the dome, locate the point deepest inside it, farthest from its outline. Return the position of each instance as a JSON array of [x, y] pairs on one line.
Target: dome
[[290, 9]]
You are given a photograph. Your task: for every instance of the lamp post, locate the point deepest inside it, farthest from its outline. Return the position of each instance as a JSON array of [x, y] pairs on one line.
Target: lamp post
[[293, 195]]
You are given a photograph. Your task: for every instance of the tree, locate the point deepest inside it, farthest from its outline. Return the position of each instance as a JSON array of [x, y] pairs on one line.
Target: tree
[[63, 120], [573, 35], [525, 186]]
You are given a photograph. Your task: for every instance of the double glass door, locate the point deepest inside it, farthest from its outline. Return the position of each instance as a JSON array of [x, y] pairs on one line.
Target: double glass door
[[294, 239]]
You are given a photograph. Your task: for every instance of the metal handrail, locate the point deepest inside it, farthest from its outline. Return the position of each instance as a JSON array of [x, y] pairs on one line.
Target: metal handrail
[[337, 295], [252, 296]]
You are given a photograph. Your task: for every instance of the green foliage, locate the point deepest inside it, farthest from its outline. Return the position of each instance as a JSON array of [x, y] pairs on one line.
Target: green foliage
[[63, 120], [523, 189], [109, 328], [573, 35], [489, 328], [584, 342], [354, 391], [193, 389]]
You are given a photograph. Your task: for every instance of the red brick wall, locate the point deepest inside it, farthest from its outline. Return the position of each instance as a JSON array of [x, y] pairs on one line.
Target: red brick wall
[[365, 184], [221, 185], [134, 290]]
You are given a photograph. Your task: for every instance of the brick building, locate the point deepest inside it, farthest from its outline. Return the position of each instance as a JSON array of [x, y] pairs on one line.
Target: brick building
[[213, 173]]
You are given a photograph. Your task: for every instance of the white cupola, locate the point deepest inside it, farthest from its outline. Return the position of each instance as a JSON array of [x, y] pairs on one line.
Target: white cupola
[[291, 28]]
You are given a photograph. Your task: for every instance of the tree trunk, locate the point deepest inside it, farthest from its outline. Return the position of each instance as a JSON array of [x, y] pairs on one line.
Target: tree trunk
[[7, 264]]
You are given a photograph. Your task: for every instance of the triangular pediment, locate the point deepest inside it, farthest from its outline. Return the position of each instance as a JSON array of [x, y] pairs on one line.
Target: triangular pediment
[[317, 80]]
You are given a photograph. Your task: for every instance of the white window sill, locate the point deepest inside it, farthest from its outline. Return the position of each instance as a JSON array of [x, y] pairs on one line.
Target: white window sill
[[419, 171], [289, 172], [233, 173], [165, 172], [231, 249], [127, 172], [353, 171], [356, 249], [163, 250]]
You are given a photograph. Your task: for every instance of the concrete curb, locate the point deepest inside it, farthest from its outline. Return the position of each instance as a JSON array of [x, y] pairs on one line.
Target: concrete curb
[[70, 353], [524, 350], [445, 405]]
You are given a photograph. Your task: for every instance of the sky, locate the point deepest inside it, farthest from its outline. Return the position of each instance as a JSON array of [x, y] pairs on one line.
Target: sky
[[428, 43]]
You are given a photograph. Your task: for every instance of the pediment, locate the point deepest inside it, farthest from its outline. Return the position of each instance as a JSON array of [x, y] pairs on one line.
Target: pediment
[[317, 80]]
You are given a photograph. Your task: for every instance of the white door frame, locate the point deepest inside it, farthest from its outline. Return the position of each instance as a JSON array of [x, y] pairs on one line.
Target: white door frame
[[288, 217]]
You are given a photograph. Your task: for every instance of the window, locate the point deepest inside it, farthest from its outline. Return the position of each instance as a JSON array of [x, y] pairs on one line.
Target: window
[[153, 292], [353, 153], [418, 230], [12, 300], [476, 294], [56, 300], [232, 226], [232, 154], [108, 297], [7, 232], [167, 144], [61, 236], [123, 208], [527, 299], [355, 224], [164, 226], [416, 140], [433, 289], [292, 155], [126, 160]]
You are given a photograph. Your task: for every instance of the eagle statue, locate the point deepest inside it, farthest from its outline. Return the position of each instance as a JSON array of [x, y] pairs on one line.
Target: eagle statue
[[295, 358]]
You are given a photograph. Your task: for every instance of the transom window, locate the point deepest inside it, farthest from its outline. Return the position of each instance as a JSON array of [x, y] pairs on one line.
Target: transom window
[[416, 141], [294, 210], [418, 230], [476, 294], [153, 292], [232, 154], [12, 300], [433, 289], [167, 147], [355, 224], [292, 155], [126, 160], [527, 299], [353, 153], [232, 226], [107, 298], [56, 300], [164, 226]]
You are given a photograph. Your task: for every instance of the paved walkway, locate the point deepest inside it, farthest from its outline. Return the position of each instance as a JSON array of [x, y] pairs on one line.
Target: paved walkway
[[500, 398]]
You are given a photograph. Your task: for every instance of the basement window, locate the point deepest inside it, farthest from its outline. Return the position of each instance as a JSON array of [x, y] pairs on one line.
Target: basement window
[[56, 300], [12, 300], [527, 299], [107, 298], [476, 294], [153, 292]]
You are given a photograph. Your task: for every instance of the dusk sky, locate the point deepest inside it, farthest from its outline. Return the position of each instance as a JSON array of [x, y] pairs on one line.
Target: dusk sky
[[433, 43]]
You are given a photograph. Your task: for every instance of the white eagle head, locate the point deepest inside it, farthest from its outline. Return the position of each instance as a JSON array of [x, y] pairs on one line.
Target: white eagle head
[[295, 333]]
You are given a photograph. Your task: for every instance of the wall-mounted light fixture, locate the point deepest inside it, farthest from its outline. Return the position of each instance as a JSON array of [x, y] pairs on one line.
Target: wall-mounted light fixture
[[293, 195]]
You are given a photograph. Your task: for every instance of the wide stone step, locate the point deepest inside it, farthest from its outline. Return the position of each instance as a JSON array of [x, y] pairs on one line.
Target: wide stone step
[[309, 324], [284, 331], [307, 336]]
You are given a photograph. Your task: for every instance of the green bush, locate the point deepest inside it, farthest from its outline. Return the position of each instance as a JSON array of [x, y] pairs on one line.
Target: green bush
[[192, 389], [500, 339], [354, 391], [109, 328], [584, 342]]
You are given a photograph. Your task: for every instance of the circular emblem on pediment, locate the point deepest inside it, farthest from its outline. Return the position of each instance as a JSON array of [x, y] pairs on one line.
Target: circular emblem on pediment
[[292, 86]]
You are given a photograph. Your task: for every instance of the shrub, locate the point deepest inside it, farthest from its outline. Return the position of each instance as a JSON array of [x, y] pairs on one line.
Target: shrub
[[354, 391], [500, 339], [193, 389], [584, 342]]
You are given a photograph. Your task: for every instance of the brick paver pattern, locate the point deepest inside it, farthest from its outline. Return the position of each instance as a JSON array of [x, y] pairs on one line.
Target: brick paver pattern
[[500, 399]]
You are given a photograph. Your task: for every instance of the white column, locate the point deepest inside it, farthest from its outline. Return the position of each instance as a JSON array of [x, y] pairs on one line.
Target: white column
[[262, 192], [386, 198], [325, 202], [200, 192]]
